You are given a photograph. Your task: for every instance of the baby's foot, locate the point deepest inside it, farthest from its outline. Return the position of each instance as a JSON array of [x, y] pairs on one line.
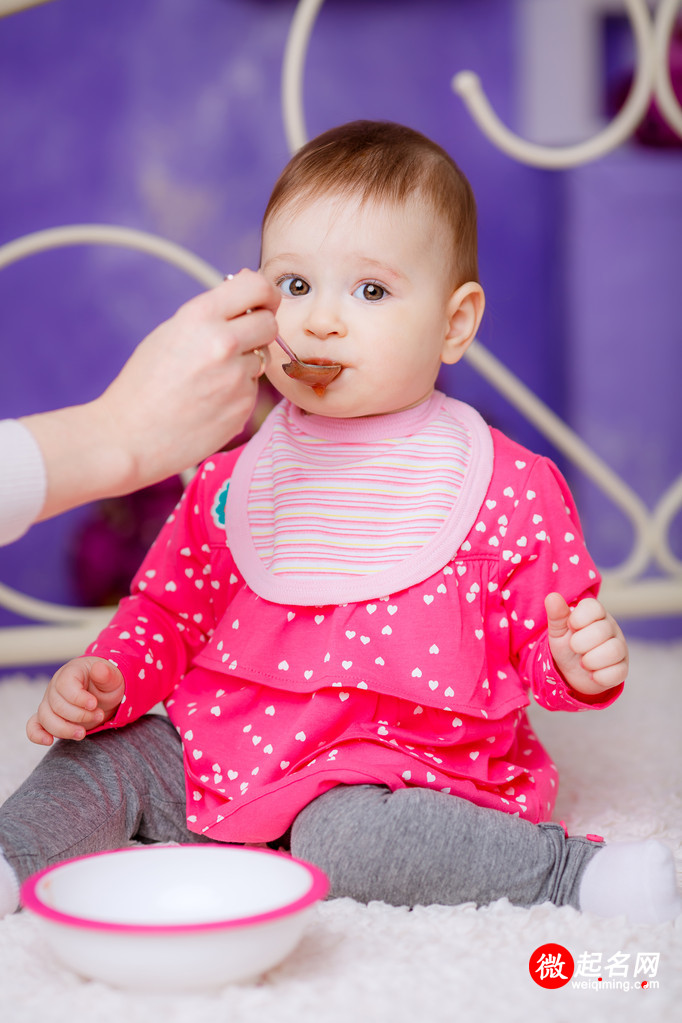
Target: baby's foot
[[634, 879], [9, 889]]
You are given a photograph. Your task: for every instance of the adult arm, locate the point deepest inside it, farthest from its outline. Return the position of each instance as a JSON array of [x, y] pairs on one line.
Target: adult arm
[[187, 389]]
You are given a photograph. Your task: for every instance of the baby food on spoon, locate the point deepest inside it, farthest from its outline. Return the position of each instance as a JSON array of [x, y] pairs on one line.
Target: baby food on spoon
[[316, 373]]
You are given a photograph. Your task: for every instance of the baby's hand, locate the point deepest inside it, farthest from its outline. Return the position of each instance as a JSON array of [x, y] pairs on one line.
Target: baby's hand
[[587, 645], [80, 696]]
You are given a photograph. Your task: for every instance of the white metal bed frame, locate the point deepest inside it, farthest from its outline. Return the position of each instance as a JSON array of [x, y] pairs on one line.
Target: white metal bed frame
[[61, 632]]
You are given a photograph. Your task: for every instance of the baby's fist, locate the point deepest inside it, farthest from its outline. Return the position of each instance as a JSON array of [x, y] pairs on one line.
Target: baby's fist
[[81, 695], [587, 644]]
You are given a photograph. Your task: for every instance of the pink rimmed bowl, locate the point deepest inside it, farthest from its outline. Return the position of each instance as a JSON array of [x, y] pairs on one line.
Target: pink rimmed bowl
[[174, 918]]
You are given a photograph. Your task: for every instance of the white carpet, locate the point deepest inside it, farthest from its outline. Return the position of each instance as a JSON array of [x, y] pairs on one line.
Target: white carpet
[[621, 776]]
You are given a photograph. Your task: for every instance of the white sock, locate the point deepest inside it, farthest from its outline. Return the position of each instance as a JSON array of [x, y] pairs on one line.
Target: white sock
[[634, 879], [9, 888]]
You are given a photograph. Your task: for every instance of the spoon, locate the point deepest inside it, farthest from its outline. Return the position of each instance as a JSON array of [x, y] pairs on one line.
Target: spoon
[[317, 375]]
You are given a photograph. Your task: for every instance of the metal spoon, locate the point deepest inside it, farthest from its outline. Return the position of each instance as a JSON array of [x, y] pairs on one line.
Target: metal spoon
[[317, 375]]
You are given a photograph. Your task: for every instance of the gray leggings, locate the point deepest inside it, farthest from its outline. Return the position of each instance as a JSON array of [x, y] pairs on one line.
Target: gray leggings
[[410, 847]]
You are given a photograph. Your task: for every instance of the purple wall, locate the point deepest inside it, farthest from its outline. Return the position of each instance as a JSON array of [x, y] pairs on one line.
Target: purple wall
[[164, 115]]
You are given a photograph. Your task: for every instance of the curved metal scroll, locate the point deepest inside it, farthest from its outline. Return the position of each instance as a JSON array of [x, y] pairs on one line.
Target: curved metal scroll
[[469, 87], [667, 101], [293, 67], [652, 72], [625, 592]]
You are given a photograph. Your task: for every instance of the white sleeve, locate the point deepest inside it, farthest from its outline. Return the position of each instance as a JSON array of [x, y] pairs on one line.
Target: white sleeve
[[23, 480]]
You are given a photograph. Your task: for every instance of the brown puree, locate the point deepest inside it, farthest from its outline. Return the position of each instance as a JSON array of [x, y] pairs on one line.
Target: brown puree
[[317, 373]]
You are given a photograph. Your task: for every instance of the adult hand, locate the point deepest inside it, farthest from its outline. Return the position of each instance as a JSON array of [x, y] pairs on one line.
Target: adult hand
[[191, 385], [186, 390]]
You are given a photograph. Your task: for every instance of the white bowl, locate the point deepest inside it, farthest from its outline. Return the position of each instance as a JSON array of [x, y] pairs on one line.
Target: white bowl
[[174, 918]]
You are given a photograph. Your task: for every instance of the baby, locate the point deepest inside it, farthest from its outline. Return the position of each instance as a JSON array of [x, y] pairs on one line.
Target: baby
[[344, 618]]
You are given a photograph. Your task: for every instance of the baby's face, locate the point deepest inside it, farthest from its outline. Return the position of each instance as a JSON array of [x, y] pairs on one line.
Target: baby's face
[[366, 286]]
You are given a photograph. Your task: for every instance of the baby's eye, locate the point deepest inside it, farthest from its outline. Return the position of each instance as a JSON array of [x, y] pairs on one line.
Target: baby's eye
[[370, 292], [293, 286]]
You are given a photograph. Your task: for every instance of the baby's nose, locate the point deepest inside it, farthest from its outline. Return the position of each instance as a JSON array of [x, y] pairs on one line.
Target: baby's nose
[[324, 320]]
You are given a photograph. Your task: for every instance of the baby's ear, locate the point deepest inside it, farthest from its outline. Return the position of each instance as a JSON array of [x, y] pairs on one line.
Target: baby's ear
[[465, 311]]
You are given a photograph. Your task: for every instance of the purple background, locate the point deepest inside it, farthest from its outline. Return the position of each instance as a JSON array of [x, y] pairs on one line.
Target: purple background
[[164, 115]]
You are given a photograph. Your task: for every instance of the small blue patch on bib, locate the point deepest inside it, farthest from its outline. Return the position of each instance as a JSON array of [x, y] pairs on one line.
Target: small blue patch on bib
[[218, 509]]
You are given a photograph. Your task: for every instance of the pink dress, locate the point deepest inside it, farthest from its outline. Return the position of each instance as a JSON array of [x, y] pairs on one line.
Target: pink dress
[[415, 675]]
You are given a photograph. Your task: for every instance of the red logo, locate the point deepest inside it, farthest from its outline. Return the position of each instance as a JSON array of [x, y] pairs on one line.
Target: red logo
[[551, 965]]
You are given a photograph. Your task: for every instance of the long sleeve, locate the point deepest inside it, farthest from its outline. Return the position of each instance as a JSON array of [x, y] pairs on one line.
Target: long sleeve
[[174, 604], [22, 480], [549, 555]]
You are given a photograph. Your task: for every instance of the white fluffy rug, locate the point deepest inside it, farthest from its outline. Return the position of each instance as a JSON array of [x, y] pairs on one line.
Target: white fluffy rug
[[621, 776]]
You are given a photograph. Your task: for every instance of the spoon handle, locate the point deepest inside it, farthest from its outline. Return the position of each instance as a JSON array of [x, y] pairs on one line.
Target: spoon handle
[[286, 348]]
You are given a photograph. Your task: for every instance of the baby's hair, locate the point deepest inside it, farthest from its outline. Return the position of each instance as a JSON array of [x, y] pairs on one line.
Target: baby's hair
[[379, 161]]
